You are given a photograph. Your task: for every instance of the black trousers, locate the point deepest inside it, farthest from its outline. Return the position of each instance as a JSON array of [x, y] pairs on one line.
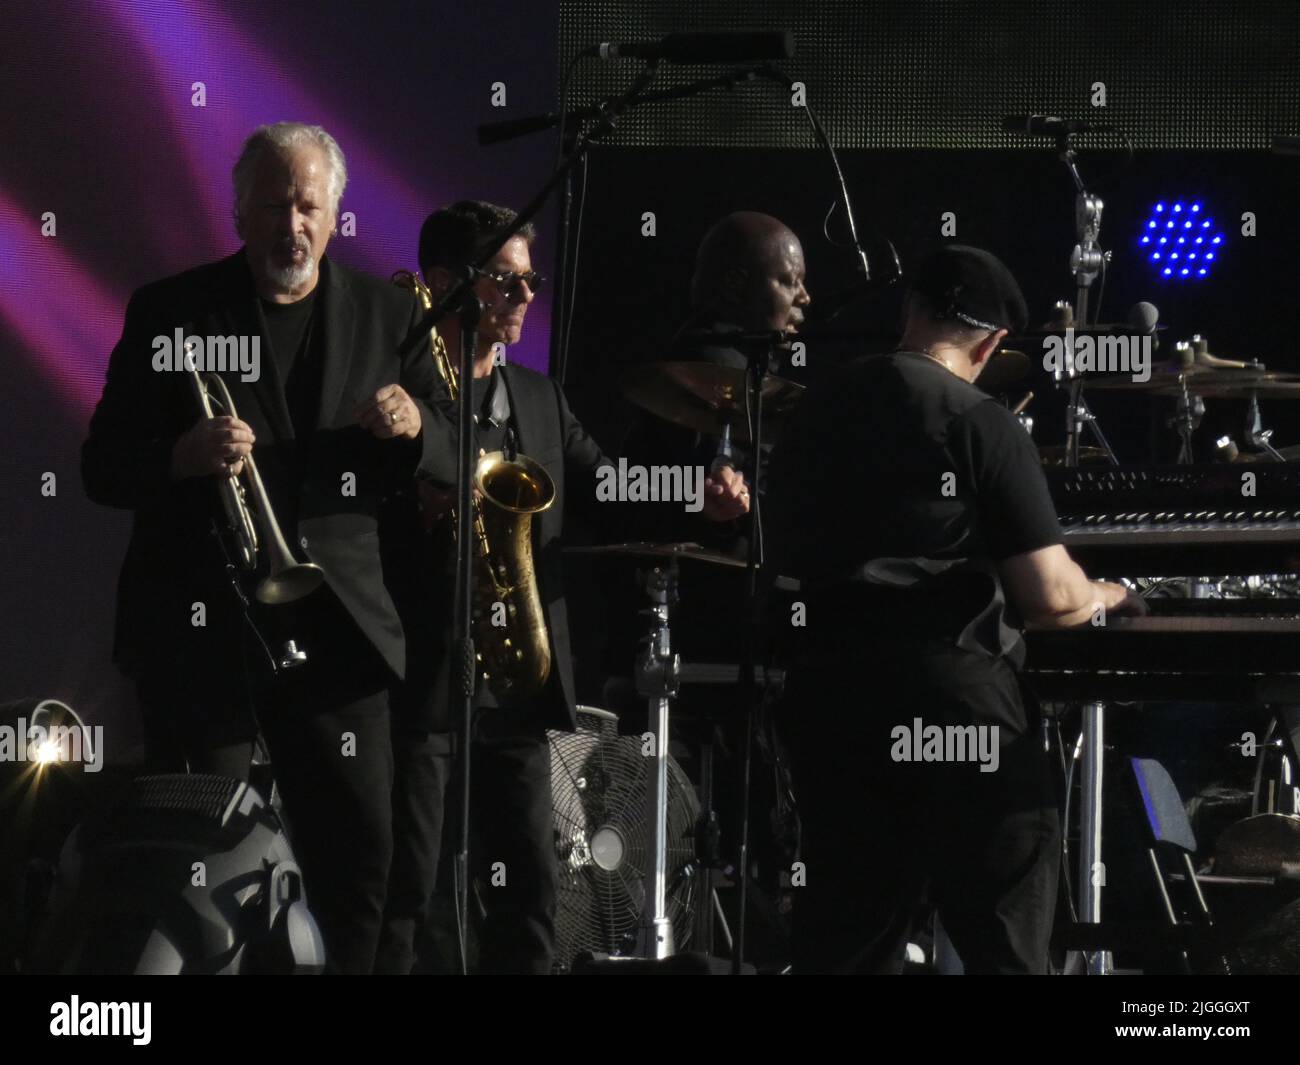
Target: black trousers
[[883, 839], [327, 727], [512, 848]]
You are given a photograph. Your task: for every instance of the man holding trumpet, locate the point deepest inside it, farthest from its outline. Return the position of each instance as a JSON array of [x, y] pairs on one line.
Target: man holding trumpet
[[333, 417]]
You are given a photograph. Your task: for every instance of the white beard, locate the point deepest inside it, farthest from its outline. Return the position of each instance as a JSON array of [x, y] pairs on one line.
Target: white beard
[[289, 278]]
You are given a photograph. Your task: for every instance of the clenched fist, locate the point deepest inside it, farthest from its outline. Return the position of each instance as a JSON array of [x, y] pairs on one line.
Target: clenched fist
[[390, 413], [726, 495]]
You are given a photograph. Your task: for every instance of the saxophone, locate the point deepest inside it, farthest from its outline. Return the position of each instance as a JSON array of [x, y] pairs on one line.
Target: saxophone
[[511, 643]]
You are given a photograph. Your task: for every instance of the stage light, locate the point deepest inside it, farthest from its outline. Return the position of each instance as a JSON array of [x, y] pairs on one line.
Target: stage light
[[1184, 238]]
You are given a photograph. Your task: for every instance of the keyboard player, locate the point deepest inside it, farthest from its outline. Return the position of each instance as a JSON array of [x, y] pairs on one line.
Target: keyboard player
[[914, 510]]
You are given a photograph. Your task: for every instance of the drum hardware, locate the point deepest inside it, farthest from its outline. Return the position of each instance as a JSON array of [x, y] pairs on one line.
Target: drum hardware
[[1186, 420], [659, 675], [1171, 379], [1255, 431], [656, 681], [1078, 415]]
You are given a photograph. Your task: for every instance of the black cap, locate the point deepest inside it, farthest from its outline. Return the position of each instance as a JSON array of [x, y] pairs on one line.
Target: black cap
[[972, 286]]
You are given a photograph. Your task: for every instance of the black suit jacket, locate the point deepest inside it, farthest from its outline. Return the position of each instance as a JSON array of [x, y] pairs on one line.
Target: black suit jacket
[[549, 433], [173, 560]]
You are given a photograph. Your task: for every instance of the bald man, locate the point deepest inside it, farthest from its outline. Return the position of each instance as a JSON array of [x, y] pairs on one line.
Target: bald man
[[749, 275]]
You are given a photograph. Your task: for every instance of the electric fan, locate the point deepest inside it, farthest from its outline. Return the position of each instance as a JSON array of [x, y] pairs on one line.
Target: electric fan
[[600, 785]]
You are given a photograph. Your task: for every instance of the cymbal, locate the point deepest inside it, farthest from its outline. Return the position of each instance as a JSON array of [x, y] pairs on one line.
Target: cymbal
[[707, 397], [1054, 455], [1261, 386], [1005, 367], [646, 550], [1168, 378], [1291, 453]]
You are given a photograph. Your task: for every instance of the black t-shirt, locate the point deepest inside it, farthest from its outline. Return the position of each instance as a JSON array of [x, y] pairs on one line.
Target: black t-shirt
[[895, 489], [295, 351]]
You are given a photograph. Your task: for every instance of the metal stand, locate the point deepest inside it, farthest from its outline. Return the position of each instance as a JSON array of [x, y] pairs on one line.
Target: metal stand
[[1091, 870], [1086, 258], [1186, 420], [1079, 416], [1086, 263], [758, 360], [656, 680], [464, 679], [1256, 434]]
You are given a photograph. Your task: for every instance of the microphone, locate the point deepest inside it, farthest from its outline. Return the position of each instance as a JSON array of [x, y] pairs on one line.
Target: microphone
[[1143, 317], [702, 47], [1051, 125], [724, 455]]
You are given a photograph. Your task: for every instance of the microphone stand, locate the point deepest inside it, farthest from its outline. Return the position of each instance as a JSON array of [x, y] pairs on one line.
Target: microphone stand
[[1086, 262], [469, 309], [758, 359]]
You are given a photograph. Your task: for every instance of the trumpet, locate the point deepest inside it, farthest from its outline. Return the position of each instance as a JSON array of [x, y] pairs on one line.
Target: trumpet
[[511, 645], [287, 579]]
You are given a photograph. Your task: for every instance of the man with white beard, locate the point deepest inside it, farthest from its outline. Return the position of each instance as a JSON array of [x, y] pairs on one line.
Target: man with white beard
[[334, 417]]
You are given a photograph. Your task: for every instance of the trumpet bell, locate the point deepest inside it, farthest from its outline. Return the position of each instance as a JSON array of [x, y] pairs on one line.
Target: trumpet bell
[[290, 584]]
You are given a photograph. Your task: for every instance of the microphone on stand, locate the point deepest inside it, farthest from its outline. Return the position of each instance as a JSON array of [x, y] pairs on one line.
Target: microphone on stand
[[1144, 317], [1051, 125], [748, 47]]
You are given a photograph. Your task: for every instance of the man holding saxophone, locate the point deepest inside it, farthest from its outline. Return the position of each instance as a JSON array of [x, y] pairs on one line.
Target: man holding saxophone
[[516, 409], [334, 416]]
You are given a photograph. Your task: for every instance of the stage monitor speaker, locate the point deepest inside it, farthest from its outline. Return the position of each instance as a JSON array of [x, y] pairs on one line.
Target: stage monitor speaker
[[191, 874]]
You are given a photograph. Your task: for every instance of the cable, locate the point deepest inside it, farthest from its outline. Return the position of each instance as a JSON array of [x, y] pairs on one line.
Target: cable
[[566, 324]]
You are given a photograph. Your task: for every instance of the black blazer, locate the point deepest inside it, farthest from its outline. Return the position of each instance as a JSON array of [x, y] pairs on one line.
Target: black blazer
[[549, 433], [173, 560]]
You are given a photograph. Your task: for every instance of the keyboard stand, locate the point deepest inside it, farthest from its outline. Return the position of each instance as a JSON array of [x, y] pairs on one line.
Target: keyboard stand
[[1092, 873]]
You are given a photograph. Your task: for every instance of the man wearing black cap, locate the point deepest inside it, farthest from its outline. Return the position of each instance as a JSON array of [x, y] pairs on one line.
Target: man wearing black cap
[[915, 761]]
